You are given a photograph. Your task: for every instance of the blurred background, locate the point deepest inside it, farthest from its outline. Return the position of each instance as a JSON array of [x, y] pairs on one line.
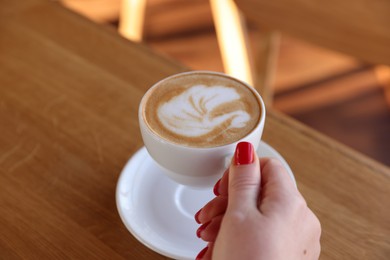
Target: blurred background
[[342, 97]]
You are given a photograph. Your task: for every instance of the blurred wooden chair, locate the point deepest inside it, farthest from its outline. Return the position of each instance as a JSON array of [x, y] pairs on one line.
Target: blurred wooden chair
[[230, 29], [357, 28]]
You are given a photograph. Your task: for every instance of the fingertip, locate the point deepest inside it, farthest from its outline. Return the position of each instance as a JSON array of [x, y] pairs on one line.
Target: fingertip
[[223, 184], [197, 216], [209, 230], [244, 154], [202, 228], [216, 188], [202, 253]]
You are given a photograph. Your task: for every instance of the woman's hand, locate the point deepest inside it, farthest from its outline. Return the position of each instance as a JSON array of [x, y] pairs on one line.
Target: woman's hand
[[258, 214]]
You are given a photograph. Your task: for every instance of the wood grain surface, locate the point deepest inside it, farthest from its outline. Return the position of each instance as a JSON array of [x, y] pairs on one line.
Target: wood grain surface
[[69, 95]]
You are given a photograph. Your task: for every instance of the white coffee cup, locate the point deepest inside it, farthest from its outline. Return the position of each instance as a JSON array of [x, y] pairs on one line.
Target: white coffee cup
[[195, 166]]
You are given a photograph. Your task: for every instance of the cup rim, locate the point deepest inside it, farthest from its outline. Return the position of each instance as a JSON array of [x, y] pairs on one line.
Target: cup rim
[[260, 122]]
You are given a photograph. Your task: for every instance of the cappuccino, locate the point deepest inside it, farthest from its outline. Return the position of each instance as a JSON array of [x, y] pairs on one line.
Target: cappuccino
[[201, 109]]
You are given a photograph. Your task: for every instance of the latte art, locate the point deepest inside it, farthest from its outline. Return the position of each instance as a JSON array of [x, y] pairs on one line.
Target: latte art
[[194, 112], [201, 109]]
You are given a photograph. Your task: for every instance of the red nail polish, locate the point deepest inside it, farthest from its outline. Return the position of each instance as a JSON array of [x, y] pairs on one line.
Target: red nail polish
[[243, 154], [202, 253], [197, 217], [201, 228], [216, 188]]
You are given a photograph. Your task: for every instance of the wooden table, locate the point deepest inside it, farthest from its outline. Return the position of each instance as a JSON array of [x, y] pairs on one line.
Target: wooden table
[[69, 94]]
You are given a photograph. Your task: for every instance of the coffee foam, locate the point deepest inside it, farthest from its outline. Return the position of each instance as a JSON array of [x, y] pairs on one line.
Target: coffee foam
[[201, 110]]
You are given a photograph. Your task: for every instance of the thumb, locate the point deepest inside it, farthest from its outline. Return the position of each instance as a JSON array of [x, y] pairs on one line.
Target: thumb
[[244, 178]]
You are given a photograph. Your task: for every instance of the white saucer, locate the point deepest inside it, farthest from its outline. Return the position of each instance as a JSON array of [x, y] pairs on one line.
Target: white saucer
[[159, 212]]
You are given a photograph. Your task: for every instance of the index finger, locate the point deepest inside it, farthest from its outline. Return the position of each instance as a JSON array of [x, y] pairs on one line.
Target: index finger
[[277, 187], [272, 170], [221, 187]]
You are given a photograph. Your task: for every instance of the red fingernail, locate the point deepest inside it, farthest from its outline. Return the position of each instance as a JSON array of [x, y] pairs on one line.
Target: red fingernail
[[243, 154], [202, 253], [201, 228], [197, 217], [216, 188]]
